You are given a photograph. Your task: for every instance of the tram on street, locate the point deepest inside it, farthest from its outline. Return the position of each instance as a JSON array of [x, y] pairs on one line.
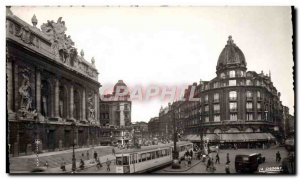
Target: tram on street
[[149, 158]]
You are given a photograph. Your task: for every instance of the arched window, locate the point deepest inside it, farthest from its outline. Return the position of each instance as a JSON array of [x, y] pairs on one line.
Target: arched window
[[76, 109]]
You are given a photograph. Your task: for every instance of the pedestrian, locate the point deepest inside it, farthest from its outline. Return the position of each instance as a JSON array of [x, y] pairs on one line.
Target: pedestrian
[[227, 158], [63, 165], [185, 160], [212, 166], [189, 161], [217, 158], [108, 165], [46, 164], [95, 155], [227, 168], [278, 156], [113, 151], [81, 165], [99, 165], [208, 164], [82, 155], [87, 155]]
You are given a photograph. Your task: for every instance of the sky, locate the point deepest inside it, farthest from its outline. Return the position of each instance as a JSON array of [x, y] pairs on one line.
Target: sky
[[175, 46]]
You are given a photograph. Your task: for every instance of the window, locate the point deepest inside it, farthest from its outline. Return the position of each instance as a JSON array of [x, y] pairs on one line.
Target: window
[[233, 106], [257, 83], [232, 95], [216, 85], [232, 74], [206, 98], [258, 95], [217, 118], [258, 116], [222, 75], [206, 108], [232, 82], [242, 73], [216, 97], [249, 94], [249, 105], [258, 106], [249, 116], [206, 119], [248, 82], [233, 117], [217, 107]]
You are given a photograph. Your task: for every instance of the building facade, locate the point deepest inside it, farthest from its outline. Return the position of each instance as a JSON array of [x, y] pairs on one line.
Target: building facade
[[236, 106], [52, 91]]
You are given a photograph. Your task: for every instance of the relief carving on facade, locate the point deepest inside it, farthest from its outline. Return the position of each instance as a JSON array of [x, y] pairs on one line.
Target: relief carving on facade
[[26, 109], [62, 44], [26, 36], [91, 107]]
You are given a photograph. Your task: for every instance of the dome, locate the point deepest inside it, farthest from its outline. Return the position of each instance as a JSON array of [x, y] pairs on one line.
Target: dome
[[231, 56], [120, 84]]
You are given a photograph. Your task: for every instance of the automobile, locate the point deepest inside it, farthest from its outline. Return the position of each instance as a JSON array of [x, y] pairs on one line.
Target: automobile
[[246, 163], [260, 158], [213, 148]]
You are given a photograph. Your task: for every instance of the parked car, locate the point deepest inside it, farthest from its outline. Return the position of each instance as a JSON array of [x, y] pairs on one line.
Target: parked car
[[246, 163], [260, 158]]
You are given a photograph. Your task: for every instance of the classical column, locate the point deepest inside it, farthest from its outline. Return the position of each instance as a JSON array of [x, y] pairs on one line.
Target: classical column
[[38, 91], [96, 108], [71, 101], [16, 87], [56, 98], [83, 105], [9, 76]]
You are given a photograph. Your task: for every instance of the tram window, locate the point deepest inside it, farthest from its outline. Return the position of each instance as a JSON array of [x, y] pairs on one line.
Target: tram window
[[148, 156], [140, 157], [119, 160], [153, 155], [163, 152], [125, 160], [143, 157]]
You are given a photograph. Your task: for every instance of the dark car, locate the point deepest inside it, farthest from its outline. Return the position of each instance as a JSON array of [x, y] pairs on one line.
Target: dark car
[[260, 158], [246, 163]]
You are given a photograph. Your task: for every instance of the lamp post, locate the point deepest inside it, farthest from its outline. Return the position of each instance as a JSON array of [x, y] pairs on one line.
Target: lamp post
[[73, 145], [175, 163], [201, 132]]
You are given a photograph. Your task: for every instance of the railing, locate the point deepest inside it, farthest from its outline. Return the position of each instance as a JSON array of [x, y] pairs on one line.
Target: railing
[[216, 111], [233, 110], [216, 100], [232, 98], [249, 98]]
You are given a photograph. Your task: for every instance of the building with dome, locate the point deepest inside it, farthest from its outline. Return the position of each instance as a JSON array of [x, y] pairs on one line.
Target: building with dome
[[115, 113], [237, 106]]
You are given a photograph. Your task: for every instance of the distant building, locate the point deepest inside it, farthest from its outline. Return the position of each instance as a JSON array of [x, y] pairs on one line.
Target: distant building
[[115, 112], [154, 127]]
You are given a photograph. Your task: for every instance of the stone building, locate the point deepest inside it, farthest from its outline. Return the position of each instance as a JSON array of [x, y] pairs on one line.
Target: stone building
[[237, 106], [115, 112], [52, 90], [154, 127]]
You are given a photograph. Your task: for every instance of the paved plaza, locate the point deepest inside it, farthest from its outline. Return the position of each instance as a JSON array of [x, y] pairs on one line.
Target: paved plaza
[[200, 167]]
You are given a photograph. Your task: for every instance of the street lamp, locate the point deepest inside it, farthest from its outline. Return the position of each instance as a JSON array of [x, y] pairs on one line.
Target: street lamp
[[73, 145], [175, 163]]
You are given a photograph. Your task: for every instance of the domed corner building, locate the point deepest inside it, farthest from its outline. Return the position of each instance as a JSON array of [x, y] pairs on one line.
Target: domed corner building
[[238, 107]]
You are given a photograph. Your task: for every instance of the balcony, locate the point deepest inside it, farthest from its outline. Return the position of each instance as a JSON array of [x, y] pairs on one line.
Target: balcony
[[249, 109], [259, 98], [216, 111], [206, 102], [232, 98], [249, 98], [216, 100], [233, 110]]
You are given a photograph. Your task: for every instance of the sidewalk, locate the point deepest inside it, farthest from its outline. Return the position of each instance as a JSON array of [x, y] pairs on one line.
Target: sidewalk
[[88, 164], [183, 167]]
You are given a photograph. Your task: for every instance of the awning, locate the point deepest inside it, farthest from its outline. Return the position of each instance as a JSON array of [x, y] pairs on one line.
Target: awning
[[246, 137], [232, 137]]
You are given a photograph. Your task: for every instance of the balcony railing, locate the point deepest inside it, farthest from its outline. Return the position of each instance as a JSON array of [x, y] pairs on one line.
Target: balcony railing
[[216, 100], [216, 111], [249, 98], [259, 98], [233, 110], [232, 98]]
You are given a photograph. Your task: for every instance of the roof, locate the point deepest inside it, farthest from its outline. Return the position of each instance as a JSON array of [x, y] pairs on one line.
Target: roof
[[152, 147], [231, 55]]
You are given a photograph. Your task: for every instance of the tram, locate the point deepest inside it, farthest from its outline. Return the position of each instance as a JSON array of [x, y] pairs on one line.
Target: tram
[[149, 158]]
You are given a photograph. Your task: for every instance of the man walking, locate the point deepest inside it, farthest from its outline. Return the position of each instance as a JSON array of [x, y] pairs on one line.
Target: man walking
[[217, 158], [108, 165], [227, 158], [278, 157]]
